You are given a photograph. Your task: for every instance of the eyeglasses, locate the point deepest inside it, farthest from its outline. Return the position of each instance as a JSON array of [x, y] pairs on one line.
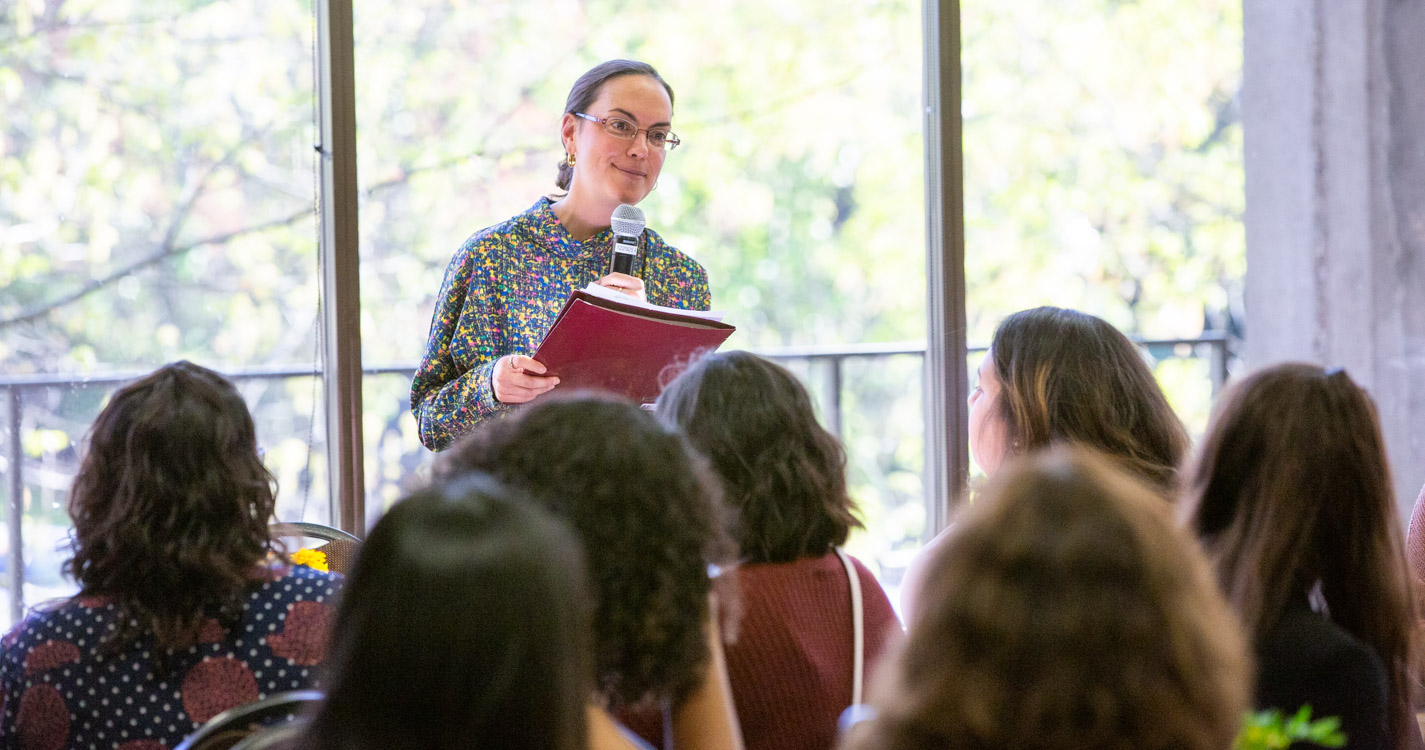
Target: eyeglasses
[[624, 130]]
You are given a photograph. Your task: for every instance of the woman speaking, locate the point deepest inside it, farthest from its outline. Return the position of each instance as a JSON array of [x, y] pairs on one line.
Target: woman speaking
[[506, 284]]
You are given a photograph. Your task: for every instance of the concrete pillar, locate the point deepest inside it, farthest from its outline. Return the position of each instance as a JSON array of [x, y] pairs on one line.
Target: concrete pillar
[[1333, 104]]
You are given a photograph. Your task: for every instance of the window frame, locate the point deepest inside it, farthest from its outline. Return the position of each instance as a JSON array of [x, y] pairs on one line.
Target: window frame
[[339, 256], [946, 376]]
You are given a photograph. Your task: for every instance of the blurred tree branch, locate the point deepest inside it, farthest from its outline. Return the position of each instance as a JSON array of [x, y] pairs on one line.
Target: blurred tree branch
[[164, 252]]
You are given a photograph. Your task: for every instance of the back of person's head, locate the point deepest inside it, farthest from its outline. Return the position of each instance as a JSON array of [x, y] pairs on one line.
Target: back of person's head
[[649, 516], [783, 474], [1066, 610], [171, 505], [1292, 490], [1067, 376], [463, 625]]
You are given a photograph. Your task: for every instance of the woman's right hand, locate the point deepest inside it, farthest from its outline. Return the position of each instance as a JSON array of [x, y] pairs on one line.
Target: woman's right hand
[[518, 379]]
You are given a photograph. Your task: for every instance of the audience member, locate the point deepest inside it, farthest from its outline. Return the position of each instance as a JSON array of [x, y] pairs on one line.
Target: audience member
[[1061, 376], [784, 478], [179, 616], [651, 522], [1065, 611], [1054, 375], [463, 625], [1291, 497]]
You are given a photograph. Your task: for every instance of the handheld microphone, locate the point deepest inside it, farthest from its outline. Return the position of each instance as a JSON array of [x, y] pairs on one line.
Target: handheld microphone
[[627, 224]]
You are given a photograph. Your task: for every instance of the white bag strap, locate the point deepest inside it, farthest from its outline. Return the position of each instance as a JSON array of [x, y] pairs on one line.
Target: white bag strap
[[858, 628]]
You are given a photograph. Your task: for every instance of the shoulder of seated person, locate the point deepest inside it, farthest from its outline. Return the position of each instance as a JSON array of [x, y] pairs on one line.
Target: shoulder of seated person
[[314, 575], [1303, 641]]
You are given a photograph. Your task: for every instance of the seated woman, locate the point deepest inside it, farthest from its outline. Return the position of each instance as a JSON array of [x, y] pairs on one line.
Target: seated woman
[[784, 478], [651, 522], [1292, 500], [1064, 611], [1061, 376], [463, 625], [179, 616]]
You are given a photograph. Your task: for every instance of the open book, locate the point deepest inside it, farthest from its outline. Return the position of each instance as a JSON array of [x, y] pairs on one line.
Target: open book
[[608, 341]]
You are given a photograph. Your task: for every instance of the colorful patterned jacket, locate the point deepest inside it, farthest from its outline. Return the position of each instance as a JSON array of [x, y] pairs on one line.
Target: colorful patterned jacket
[[501, 293]]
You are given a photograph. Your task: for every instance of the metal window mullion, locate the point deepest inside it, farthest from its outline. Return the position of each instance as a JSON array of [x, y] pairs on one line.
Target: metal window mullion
[[341, 309], [947, 379], [15, 511]]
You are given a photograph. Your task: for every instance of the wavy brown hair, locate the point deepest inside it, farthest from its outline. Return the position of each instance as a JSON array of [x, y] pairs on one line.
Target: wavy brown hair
[[783, 474], [1065, 611], [171, 506], [1292, 488], [1071, 377], [649, 515]]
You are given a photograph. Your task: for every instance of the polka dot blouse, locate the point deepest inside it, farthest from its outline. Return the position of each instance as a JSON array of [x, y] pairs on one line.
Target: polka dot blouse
[[501, 293], [59, 692]]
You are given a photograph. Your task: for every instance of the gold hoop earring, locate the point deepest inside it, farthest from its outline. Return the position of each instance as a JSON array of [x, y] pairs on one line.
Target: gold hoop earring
[[569, 159]]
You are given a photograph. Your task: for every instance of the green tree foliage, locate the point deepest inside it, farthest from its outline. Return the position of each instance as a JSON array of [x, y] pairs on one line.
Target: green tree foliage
[[1272, 730], [1103, 161], [157, 186]]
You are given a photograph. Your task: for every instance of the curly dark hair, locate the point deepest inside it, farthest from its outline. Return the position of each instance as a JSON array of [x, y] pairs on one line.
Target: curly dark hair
[[783, 474], [1070, 376], [171, 506], [465, 622], [649, 515], [1065, 611]]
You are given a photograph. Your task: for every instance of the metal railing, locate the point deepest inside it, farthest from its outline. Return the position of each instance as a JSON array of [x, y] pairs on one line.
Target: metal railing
[[831, 360]]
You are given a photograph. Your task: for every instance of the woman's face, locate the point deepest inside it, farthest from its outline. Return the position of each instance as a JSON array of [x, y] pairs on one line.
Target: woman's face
[[612, 171], [987, 428]]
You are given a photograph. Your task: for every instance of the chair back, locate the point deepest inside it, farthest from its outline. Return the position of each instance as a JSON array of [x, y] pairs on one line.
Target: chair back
[[229, 728], [275, 737], [341, 547]]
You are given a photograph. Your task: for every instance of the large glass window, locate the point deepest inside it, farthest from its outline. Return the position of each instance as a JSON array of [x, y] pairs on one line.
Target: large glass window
[[156, 203], [799, 186], [1103, 172]]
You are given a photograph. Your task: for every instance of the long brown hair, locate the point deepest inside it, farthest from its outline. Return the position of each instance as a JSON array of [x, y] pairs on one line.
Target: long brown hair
[[1293, 488], [171, 505], [1065, 610], [1069, 376]]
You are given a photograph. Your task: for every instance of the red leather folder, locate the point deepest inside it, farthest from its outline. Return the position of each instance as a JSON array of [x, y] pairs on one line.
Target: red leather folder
[[624, 348]]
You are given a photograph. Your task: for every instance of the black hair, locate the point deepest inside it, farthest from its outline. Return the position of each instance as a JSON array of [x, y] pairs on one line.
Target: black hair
[[464, 624]]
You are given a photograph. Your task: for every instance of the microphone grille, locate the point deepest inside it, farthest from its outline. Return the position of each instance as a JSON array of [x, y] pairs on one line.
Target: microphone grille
[[627, 220]]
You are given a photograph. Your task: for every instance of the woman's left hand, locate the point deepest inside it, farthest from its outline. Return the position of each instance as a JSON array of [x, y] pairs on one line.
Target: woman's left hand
[[622, 282]]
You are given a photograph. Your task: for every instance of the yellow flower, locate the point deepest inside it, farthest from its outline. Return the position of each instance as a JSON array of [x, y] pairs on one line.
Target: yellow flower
[[315, 559]]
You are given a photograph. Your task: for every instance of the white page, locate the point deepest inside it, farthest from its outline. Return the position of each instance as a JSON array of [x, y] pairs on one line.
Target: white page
[[613, 296]]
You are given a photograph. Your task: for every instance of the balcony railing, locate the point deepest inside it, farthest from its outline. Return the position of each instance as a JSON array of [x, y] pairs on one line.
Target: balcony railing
[[830, 362]]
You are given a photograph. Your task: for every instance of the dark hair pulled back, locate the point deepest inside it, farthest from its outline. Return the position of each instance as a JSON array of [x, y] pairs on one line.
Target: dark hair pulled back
[[586, 90]]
